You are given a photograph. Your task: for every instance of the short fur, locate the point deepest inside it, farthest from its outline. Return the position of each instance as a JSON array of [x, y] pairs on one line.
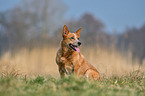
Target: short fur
[[70, 60]]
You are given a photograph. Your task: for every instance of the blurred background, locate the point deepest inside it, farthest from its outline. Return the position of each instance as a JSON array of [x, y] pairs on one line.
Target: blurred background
[[113, 34]]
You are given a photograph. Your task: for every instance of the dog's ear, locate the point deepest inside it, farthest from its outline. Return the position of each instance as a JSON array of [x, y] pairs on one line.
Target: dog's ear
[[65, 31], [78, 32]]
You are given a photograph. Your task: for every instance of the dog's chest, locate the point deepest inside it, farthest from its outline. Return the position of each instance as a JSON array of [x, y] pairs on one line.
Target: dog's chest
[[73, 58]]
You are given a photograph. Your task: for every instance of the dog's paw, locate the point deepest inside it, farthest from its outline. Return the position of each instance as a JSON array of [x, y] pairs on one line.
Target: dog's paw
[[63, 59]]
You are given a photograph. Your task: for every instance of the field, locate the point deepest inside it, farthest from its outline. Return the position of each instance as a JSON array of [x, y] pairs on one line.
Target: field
[[34, 72], [129, 85]]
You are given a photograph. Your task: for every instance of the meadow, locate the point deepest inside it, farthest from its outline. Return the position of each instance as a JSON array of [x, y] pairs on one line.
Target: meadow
[[29, 72], [132, 84]]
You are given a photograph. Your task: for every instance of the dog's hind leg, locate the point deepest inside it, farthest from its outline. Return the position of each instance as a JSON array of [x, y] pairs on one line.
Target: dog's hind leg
[[92, 74]]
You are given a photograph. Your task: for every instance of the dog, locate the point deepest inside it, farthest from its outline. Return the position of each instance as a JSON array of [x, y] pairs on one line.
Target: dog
[[70, 60]]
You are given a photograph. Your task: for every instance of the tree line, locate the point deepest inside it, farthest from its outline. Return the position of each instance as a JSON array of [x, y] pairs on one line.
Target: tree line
[[39, 22]]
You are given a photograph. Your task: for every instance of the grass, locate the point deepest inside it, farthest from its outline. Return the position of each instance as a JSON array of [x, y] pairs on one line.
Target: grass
[[132, 84], [25, 73]]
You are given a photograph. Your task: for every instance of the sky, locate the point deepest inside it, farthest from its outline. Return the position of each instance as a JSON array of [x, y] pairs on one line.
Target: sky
[[115, 14]]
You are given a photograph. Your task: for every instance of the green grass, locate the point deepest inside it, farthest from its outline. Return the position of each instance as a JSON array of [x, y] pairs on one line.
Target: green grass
[[129, 85]]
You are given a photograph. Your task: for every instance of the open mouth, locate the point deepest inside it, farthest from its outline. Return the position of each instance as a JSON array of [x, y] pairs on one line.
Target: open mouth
[[74, 47]]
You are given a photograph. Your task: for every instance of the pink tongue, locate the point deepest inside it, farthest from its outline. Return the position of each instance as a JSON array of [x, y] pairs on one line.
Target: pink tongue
[[77, 49]]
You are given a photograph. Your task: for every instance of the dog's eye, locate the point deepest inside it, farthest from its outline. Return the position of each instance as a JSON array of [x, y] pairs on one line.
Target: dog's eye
[[72, 37], [78, 38]]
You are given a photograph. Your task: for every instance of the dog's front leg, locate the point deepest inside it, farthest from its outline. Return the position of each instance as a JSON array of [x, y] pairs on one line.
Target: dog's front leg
[[69, 67], [61, 64], [62, 70], [64, 61]]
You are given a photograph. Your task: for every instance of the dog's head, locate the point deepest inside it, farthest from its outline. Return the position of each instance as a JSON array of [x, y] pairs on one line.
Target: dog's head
[[71, 39]]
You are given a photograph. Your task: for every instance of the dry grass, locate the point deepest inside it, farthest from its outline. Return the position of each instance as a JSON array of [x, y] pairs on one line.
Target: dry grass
[[42, 61], [110, 62], [38, 61]]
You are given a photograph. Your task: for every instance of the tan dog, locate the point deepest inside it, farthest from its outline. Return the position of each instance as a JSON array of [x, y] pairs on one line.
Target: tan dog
[[70, 60]]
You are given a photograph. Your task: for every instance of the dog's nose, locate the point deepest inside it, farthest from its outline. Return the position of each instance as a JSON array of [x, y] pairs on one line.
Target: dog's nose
[[79, 43]]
